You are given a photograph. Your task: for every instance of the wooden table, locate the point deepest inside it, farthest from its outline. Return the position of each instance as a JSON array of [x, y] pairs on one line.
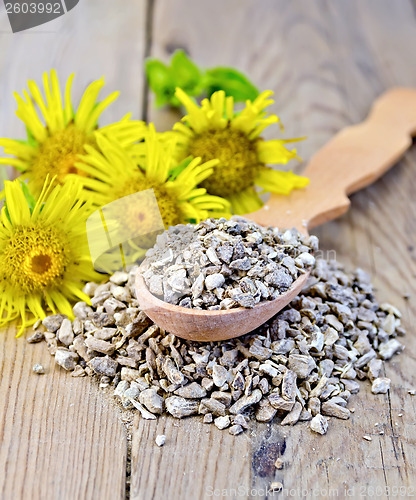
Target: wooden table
[[326, 61]]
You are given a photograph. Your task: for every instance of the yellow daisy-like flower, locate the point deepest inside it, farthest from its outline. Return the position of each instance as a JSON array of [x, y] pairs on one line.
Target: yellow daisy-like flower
[[57, 134], [44, 257], [113, 174], [215, 130]]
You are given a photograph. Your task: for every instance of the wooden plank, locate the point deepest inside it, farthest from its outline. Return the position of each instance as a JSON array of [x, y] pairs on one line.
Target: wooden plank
[[59, 437], [94, 39], [327, 62], [191, 464]]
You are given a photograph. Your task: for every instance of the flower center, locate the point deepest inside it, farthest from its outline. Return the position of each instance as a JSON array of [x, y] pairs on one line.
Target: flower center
[[58, 154], [35, 258], [140, 217], [238, 160], [41, 263]]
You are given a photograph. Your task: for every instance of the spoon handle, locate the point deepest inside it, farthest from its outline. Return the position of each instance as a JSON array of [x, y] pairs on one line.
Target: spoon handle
[[354, 158]]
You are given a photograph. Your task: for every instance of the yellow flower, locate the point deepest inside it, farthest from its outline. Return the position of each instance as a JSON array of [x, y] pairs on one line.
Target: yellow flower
[[44, 257], [215, 130], [57, 134], [112, 174]]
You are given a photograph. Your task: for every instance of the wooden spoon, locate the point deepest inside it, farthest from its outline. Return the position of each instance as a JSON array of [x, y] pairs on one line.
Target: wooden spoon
[[353, 159]]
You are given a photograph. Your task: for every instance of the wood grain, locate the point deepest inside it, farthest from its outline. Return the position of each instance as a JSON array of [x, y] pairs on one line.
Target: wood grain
[[327, 62], [196, 460], [59, 438]]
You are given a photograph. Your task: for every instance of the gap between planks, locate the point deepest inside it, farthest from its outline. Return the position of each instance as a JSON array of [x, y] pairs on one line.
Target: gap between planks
[[307, 56]]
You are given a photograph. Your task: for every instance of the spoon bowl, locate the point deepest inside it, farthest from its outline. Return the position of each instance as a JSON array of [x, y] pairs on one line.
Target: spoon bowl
[[206, 326]]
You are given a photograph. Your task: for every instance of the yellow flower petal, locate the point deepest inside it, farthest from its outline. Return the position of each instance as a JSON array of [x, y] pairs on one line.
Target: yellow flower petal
[[27, 113], [68, 110], [210, 113], [280, 182], [251, 115], [91, 123], [14, 162], [245, 202], [274, 151], [16, 203], [17, 148], [88, 102]]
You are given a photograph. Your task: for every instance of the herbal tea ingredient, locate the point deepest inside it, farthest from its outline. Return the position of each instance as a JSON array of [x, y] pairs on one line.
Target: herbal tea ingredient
[[303, 365], [222, 264]]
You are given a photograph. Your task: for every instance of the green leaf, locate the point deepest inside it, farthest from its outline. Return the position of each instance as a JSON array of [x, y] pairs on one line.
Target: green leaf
[[186, 74], [160, 81], [233, 82], [31, 201], [180, 168], [163, 79], [30, 138], [6, 211]]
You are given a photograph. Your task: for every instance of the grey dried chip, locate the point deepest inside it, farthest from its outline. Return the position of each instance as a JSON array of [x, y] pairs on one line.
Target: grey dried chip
[[319, 424], [180, 407]]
